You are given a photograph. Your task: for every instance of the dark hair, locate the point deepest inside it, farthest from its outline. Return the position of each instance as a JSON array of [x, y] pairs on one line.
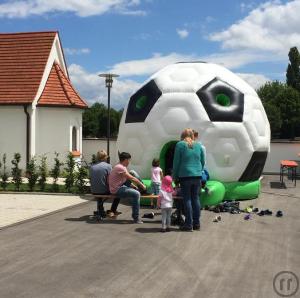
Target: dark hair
[[124, 155], [196, 134], [155, 162]]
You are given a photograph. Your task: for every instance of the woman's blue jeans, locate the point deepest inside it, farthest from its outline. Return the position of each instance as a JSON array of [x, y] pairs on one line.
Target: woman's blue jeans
[[190, 188], [134, 196]]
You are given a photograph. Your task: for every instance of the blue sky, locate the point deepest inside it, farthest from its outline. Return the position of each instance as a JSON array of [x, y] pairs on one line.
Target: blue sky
[[135, 38]]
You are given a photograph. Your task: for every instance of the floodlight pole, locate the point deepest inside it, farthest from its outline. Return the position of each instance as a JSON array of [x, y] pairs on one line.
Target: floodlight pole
[[108, 83]]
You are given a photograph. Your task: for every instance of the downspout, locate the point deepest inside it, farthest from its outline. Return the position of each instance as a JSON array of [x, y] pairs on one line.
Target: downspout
[[27, 133]]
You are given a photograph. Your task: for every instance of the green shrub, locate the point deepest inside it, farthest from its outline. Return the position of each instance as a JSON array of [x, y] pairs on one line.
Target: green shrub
[[43, 173], [3, 173], [32, 174], [55, 172], [70, 169], [16, 171], [81, 177]]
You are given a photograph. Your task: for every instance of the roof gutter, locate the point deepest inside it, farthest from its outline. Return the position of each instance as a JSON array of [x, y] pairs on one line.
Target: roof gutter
[[27, 133]]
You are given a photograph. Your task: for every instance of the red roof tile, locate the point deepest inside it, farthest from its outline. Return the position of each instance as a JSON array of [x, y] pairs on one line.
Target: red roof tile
[[23, 57], [59, 91]]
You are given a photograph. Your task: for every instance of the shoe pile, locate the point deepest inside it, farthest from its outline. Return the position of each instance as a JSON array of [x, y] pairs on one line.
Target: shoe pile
[[149, 215], [232, 207]]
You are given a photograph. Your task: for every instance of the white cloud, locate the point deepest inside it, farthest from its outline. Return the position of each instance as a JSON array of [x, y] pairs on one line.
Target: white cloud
[[71, 51], [254, 80], [148, 66], [25, 8], [272, 27], [183, 33], [92, 88], [232, 60]]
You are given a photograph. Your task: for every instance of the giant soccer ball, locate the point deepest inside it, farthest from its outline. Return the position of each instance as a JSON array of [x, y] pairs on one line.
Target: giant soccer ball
[[224, 109]]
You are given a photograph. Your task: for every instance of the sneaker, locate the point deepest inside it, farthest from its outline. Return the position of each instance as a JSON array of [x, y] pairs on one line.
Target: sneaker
[[186, 229], [109, 213], [138, 221], [247, 217], [117, 213], [168, 230], [163, 230], [261, 213], [279, 213], [196, 227], [268, 212]]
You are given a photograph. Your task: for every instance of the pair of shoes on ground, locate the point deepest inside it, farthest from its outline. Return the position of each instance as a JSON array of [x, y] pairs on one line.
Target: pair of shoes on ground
[[149, 215], [217, 218], [189, 229], [138, 221], [165, 230], [247, 216], [265, 212]]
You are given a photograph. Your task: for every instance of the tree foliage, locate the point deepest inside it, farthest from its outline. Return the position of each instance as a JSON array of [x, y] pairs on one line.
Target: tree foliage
[[55, 172], [95, 121], [32, 174], [3, 174], [282, 105], [70, 170], [16, 171], [293, 69]]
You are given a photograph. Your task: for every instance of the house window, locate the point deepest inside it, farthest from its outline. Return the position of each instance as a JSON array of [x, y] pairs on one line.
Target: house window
[[74, 139]]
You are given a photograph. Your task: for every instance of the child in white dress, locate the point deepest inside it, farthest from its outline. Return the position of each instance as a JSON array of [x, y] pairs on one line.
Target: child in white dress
[[165, 202]]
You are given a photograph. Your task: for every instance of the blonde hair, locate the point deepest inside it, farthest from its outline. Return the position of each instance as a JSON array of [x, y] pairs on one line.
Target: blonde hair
[[102, 155], [188, 136]]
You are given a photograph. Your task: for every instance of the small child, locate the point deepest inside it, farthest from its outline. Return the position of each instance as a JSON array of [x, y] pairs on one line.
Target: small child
[[204, 178], [156, 177], [165, 202]]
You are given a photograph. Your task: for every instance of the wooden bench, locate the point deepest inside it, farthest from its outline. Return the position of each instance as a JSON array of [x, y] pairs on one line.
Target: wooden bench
[[103, 198]]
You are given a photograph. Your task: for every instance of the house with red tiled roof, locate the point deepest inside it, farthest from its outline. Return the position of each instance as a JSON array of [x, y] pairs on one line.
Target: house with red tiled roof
[[40, 111]]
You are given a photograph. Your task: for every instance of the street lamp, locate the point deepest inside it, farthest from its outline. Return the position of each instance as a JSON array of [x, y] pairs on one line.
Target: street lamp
[[108, 83]]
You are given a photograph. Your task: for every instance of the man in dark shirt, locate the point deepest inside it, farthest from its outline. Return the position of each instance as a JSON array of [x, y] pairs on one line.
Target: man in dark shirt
[[99, 182]]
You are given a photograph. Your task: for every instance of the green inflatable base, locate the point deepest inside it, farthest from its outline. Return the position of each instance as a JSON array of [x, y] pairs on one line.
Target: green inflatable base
[[220, 191]]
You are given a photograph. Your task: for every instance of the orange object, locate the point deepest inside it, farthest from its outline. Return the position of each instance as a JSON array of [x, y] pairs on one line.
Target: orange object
[[288, 163], [76, 153], [290, 166]]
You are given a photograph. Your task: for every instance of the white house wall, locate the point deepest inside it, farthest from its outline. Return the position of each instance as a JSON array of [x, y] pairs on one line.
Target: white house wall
[[53, 131], [13, 133], [279, 151]]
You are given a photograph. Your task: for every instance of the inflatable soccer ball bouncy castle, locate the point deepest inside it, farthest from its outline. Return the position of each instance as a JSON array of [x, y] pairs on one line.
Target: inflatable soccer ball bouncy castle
[[224, 109]]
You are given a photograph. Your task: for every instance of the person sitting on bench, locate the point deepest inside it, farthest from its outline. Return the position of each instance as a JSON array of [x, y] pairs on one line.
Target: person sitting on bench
[[119, 182], [99, 183]]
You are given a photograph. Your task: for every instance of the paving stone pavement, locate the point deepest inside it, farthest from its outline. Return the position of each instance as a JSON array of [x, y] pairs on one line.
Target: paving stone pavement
[[16, 208]]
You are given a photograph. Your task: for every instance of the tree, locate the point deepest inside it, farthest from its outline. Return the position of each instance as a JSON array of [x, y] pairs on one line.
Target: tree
[[95, 121], [282, 105], [32, 174], [55, 172], [16, 171], [293, 69], [43, 172], [3, 175], [70, 170]]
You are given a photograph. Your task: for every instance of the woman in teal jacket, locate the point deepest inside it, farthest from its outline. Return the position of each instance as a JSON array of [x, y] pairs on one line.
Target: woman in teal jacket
[[188, 163]]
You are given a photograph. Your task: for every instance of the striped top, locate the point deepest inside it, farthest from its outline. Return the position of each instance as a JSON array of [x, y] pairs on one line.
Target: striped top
[[117, 178]]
